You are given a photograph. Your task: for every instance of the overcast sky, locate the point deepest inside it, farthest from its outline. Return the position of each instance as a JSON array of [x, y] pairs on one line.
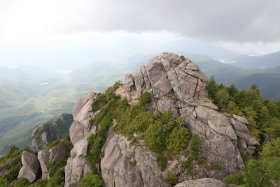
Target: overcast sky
[[245, 26]]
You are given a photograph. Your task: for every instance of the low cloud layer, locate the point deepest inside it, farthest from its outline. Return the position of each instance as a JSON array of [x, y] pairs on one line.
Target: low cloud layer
[[214, 20]]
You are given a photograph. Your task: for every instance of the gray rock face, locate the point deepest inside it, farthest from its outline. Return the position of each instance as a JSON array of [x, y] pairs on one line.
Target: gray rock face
[[246, 143], [124, 165], [43, 157], [205, 182], [179, 86], [79, 131], [60, 151], [30, 169]]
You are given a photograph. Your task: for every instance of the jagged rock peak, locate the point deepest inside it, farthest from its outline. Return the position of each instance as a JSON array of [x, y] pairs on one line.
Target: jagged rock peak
[[168, 74], [178, 85]]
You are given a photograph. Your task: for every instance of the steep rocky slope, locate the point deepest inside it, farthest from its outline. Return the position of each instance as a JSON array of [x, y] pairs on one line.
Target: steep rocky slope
[[179, 86], [175, 85], [55, 129], [79, 132], [157, 129]]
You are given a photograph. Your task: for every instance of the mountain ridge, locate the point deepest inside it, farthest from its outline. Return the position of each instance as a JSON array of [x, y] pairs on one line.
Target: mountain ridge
[[158, 128]]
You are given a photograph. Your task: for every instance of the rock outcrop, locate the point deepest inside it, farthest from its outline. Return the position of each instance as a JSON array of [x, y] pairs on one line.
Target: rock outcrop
[[179, 86], [124, 165], [204, 182], [30, 169], [49, 156], [79, 131], [55, 129]]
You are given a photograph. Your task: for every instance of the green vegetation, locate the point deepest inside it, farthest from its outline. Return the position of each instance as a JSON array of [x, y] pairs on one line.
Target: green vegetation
[[193, 155], [177, 140], [163, 134], [19, 183], [263, 169], [12, 164], [57, 177], [168, 136], [107, 103], [183, 57], [263, 114], [237, 178], [91, 180], [171, 178], [56, 129]]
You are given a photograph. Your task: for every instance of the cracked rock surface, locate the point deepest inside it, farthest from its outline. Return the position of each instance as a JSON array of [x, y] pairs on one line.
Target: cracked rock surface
[[79, 131], [47, 156], [179, 86], [124, 165]]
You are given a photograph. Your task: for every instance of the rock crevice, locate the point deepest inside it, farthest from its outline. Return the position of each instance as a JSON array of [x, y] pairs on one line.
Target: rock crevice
[[179, 86], [80, 130]]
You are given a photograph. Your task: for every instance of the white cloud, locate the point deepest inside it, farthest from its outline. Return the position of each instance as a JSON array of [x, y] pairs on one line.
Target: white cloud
[[249, 26], [235, 20]]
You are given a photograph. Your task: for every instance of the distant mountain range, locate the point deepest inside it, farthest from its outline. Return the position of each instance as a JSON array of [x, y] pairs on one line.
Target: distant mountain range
[[257, 62], [264, 71]]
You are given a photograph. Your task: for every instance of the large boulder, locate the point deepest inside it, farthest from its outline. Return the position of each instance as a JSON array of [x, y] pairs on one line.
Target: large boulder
[[79, 131], [48, 156], [125, 165], [43, 157], [179, 86], [30, 169]]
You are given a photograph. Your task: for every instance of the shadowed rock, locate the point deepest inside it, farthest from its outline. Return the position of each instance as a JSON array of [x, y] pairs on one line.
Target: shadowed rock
[[30, 169], [48, 156]]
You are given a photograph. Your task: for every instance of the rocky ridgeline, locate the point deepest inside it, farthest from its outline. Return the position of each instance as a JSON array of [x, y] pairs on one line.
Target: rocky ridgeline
[[176, 85], [50, 131]]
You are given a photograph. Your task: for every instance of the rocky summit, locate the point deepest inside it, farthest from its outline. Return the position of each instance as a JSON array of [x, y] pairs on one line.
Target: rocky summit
[[157, 129], [176, 85], [179, 86]]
